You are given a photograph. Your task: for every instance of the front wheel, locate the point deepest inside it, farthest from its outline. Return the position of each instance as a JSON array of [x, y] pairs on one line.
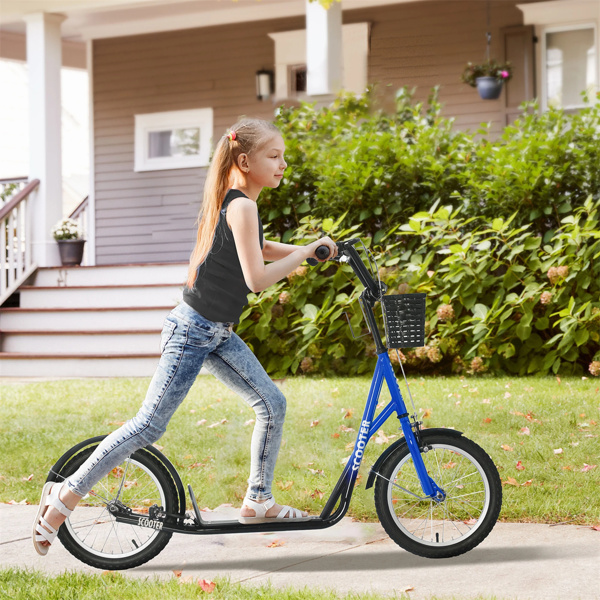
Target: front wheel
[[92, 534], [458, 523]]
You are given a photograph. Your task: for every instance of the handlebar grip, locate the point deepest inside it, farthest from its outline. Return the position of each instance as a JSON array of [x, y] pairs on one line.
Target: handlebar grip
[[322, 252]]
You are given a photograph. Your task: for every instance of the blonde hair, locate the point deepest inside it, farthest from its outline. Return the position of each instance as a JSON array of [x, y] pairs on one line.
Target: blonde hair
[[250, 135]]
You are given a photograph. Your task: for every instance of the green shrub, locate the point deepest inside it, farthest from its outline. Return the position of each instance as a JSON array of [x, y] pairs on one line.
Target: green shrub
[[503, 236]]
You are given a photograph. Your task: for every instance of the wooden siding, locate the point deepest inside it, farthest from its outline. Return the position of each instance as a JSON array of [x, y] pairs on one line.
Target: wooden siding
[[150, 216]]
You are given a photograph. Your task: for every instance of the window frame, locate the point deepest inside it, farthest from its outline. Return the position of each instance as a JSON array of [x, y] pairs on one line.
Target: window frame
[[201, 118], [543, 49]]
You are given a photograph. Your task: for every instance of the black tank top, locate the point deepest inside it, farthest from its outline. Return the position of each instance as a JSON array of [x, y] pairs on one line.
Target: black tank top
[[220, 291]]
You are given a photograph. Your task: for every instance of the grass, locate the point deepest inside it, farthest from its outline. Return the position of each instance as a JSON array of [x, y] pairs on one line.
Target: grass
[[33, 585], [40, 421]]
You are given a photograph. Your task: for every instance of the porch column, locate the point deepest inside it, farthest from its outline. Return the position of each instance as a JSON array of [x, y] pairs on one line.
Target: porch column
[[44, 61], [323, 48]]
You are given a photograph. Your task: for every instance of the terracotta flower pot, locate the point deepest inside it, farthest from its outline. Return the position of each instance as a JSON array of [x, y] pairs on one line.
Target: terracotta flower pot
[[489, 88], [71, 252]]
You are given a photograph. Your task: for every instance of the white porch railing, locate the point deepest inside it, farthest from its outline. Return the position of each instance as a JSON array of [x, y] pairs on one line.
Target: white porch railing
[[16, 258], [80, 215]]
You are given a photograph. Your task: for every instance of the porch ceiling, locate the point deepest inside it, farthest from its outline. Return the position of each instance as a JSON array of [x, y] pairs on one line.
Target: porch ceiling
[[87, 19]]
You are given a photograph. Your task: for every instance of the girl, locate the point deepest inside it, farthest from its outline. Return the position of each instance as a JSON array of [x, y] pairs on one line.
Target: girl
[[226, 264]]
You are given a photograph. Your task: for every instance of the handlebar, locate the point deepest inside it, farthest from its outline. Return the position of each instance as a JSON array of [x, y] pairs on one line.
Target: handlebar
[[348, 253]]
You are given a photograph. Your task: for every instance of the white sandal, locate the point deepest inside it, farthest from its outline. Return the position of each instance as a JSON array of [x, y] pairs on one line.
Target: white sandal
[[47, 533], [287, 513]]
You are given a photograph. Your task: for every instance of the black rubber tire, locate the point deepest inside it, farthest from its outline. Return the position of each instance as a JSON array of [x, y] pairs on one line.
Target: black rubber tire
[[488, 493], [146, 462]]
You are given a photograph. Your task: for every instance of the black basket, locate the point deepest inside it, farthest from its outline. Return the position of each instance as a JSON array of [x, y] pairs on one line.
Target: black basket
[[404, 319]]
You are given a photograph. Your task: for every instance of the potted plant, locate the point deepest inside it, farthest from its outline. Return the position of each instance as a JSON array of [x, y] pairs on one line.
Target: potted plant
[[70, 245], [487, 77]]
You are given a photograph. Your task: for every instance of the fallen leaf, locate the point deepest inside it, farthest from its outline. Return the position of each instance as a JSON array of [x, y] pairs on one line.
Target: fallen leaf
[[221, 422], [558, 451], [314, 423], [284, 486], [206, 585], [335, 392], [381, 438], [528, 482], [410, 588], [487, 420], [192, 410], [567, 468], [116, 422], [28, 478], [200, 422], [346, 429], [426, 414], [449, 465], [335, 435], [276, 544], [595, 527], [587, 468], [470, 521], [317, 494], [520, 466], [349, 413], [248, 422], [486, 401], [511, 481], [177, 573], [316, 471], [345, 460], [507, 395], [524, 431], [558, 379], [506, 448], [117, 472]]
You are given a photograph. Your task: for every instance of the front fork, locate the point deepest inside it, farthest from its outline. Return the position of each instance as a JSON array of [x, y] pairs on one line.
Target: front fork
[[384, 371]]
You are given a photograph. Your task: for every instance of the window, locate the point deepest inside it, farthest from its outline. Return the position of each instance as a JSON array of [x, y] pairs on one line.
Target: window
[[570, 65], [290, 60], [173, 140], [297, 79]]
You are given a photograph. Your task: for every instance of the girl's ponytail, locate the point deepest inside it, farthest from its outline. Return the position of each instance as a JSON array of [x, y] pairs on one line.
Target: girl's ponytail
[[249, 135]]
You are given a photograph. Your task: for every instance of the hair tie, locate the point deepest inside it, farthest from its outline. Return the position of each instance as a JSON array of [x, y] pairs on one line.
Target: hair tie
[[231, 135]]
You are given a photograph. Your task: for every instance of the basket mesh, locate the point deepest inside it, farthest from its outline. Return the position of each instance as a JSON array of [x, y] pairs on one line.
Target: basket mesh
[[404, 320]]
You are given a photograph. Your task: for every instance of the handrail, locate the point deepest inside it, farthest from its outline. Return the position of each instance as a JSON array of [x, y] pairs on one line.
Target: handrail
[[7, 208], [16, 256], [79, 208]]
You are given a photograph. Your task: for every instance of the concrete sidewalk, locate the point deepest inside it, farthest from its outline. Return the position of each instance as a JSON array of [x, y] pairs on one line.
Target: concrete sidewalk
[[517, 561]]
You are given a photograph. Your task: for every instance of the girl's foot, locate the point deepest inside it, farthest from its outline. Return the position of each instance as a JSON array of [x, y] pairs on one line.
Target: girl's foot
[[269, 510], [56, 505]]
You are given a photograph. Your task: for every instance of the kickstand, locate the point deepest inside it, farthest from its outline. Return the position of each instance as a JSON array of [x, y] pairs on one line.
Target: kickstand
[[199, 520]]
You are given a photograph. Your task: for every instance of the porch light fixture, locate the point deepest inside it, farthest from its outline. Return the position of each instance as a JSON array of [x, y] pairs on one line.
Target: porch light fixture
[[264, 84]]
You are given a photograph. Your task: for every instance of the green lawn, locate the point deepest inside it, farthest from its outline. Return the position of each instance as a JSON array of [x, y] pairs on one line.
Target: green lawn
[[32, 585], [541, 432]]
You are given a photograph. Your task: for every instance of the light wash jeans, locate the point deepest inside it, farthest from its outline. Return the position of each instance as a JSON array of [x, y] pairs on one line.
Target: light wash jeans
[[188, 341]]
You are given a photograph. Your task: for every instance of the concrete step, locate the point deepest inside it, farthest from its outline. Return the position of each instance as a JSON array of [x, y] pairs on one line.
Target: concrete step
[[100, 296], [16, 364], [80, 342], [175, 273], [83, 319]]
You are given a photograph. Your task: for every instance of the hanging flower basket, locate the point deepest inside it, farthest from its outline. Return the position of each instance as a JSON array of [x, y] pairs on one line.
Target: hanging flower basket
[[488, 77]]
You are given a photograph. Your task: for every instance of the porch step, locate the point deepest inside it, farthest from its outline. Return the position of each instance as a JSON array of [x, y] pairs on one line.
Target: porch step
[[17, 364], [86, 342], [106, 296], [134, 274], [90, 321], [83, 319]]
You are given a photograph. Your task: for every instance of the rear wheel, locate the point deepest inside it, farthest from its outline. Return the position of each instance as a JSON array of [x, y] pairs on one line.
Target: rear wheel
[[92, 533], [456, 524]]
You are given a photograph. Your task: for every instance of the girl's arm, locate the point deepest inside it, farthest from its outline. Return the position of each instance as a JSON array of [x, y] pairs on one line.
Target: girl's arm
[[243, 218], [276, 250]]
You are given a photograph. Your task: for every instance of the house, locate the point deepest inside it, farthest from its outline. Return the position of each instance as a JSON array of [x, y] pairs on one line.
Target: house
[[166, 78]]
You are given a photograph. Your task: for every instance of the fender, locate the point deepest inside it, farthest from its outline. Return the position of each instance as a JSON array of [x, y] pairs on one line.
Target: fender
[[425, 433], [60, 463]]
